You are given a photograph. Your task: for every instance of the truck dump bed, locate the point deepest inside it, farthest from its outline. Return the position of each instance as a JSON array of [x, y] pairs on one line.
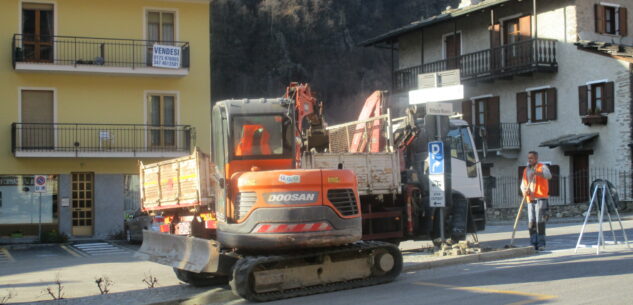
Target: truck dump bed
[[177, 183], [378, 172]]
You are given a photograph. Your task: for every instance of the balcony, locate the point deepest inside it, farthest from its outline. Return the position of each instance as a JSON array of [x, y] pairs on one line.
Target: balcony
[[521, 58], [69, 140], [99, 55], [499, 137]]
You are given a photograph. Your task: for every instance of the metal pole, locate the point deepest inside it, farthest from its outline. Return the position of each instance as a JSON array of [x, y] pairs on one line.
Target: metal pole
[[39, 226], [582, 230], [438, 126], [600, 233]]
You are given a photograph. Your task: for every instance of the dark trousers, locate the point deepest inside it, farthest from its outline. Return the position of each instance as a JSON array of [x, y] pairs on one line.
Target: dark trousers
[[537, 214]]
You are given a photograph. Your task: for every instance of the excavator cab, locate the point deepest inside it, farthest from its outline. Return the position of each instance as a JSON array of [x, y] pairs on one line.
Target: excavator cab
[[263, 200]]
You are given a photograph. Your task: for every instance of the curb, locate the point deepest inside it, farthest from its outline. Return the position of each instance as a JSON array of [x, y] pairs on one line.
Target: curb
[[472, 258]]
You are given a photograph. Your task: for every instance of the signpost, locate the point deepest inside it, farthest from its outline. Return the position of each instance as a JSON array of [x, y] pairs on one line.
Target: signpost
[[40, 187]]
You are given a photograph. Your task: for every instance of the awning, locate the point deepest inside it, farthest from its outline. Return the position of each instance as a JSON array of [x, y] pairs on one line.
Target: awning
[[570, 140]]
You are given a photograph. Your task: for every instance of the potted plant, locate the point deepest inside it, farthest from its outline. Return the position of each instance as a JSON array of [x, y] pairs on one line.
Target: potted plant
[[594, 116]]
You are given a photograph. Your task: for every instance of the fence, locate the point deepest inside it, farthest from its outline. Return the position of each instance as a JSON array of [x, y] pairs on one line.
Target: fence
[[71, 50], [503, 191]]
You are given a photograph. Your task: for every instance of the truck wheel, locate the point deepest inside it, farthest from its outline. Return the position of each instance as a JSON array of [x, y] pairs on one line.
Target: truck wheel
[[200, 279]]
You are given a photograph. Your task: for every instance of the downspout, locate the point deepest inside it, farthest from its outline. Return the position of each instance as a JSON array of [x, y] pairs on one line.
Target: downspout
[[631, 112]]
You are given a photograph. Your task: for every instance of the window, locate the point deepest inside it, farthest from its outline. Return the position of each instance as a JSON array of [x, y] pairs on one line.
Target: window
[[610, 19], [162, 120], [596, 98], [37, 118], [37, 31], [536, 105], [261, 135], [160, 26]]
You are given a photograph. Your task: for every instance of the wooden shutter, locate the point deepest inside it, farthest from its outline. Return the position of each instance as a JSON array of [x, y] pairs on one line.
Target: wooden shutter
[[551, 104], [522, 107], [599, 18], [493, 117], [582, 100], [623, 23], [554, 183], [608, 98], [467, 111], [525, 27], [495, 35], [520, 178]]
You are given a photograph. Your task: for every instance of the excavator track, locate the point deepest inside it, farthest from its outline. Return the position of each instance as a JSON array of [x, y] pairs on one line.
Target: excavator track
[[268, 278]]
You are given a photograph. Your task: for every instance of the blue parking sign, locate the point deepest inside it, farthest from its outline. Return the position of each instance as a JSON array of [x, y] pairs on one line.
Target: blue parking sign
[[436, 158]]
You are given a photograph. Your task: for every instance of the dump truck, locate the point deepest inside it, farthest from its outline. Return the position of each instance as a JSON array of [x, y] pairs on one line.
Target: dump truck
[[251, 216]]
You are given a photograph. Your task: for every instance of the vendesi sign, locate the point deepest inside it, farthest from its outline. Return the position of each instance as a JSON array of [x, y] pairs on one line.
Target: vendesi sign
[[166, 56]]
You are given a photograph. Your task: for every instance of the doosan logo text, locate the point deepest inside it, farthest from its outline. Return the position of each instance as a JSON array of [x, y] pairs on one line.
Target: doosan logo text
[[291, 197]]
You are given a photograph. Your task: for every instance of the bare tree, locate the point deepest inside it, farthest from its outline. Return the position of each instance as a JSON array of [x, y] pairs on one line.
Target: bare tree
[[104, 283], [150, 280], [56, 294]]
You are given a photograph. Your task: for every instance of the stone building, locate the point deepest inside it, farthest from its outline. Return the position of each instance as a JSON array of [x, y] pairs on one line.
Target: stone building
[[554, 76]]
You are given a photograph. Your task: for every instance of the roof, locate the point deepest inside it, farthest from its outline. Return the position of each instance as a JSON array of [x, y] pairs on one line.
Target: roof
[[569, 140], [416, 25]]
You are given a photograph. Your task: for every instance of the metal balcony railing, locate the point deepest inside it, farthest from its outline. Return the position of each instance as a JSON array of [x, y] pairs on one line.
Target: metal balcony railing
[[100, 138], [504, 61], [73, 50], [502, 136]]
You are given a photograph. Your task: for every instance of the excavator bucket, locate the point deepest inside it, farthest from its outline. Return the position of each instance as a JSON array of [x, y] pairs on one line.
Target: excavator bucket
[[182, 252]]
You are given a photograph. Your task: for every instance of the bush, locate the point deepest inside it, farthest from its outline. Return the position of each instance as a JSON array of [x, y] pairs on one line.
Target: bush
[[53, 237]]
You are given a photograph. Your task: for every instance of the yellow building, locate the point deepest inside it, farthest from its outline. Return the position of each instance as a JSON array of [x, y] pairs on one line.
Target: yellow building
[[89, 88]]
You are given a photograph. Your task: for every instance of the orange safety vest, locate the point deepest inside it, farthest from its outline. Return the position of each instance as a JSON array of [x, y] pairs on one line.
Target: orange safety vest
[[541, 185], [254, 141]]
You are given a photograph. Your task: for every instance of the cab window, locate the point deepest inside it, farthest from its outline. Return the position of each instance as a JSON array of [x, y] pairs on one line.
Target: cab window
[[262, 135]]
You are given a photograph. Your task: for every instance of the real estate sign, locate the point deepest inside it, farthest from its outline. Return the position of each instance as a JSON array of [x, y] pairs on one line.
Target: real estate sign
[[166, 56]]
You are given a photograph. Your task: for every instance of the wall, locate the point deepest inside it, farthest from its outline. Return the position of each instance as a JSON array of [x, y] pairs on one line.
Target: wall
[[586, 22]]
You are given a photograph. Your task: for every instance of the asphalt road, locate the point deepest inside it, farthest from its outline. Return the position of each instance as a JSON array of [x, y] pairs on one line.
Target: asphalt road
[[555, 276]]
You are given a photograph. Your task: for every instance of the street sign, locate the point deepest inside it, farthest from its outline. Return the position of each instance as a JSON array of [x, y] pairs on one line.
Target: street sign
[[40, 184], [436, 175], [439, 94], [436, 158], [439, 109]]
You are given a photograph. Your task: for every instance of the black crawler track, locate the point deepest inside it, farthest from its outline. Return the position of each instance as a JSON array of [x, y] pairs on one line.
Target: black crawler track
[[242, 284]]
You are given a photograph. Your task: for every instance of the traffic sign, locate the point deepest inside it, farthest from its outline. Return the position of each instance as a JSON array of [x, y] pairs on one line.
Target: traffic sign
[[437, 196], [436, 158], [40, 184]]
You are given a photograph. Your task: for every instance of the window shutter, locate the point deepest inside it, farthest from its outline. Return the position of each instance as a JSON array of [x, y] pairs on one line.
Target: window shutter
[[495, 35], [522, 107], [520, 178], [525, 27], [551, 104], [582, 100], [623, 23], [599, 18], [608, 97], [467, 111], [494, 116], [554, 183]]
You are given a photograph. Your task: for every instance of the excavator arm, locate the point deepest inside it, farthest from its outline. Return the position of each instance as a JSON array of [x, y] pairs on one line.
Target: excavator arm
[[307, 109]]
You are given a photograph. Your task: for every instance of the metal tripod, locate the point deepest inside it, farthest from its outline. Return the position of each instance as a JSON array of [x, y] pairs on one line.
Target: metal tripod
[[602, 185]]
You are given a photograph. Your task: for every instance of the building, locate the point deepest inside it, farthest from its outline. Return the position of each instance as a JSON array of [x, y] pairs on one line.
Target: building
[[88, 89], [552, 76]]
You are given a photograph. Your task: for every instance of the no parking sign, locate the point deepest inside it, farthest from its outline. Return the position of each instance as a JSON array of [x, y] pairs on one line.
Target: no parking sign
[[40, 184]]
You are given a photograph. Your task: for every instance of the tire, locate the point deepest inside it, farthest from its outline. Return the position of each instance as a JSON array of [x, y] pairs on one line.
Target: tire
[[200, 279]]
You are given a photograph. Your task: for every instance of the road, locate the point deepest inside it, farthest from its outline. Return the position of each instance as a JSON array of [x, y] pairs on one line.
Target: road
[[557, 276]]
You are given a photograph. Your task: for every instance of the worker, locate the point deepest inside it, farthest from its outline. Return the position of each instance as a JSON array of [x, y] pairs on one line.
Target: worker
[[254, 141], [534, 186]]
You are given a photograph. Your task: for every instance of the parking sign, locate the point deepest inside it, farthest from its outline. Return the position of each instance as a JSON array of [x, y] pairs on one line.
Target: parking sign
[[40, 184], [436, 158]]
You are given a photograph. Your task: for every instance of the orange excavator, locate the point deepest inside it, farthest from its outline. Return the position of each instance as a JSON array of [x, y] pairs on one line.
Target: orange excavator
[[250, 215]]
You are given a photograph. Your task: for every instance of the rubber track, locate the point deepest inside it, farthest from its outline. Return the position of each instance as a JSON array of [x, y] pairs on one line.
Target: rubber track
[[242, 286]]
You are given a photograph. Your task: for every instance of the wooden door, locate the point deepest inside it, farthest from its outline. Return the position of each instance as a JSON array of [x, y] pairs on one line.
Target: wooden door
[[580, 177], [452, 50], [487, 115], [82, 204], [37, 31]]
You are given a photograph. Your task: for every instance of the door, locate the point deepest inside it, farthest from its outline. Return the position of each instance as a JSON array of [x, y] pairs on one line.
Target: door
[[37, 117], [487, 115], [162, 121], [82, 203], [452, 50], [510, 38], [580, 177], [160, 30], [37, 31]]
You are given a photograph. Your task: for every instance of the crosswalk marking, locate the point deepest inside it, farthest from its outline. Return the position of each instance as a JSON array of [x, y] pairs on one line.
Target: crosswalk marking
[[98, 249], [5, 256]]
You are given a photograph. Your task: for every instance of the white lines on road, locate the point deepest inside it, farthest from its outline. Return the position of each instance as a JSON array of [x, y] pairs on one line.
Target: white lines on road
[[5, 256], [99, 249]]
